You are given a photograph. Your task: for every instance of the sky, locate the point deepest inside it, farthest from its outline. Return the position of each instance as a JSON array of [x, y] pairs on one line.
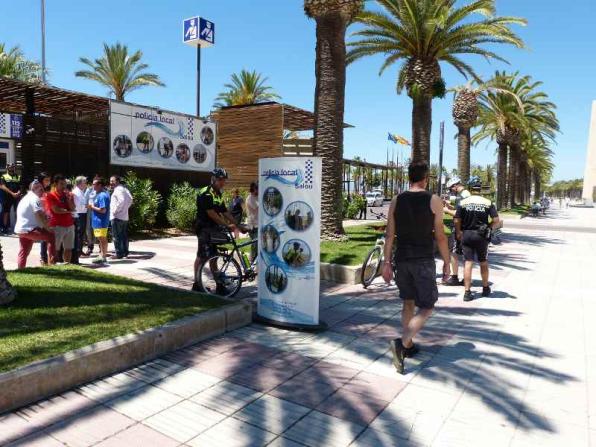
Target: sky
[[275, 38]]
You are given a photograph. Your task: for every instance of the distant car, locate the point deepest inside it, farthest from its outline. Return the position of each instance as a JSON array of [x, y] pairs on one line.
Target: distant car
[[374, 198]]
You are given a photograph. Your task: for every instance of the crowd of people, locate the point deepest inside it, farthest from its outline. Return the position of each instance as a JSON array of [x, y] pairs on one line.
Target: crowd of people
[[67, 217]]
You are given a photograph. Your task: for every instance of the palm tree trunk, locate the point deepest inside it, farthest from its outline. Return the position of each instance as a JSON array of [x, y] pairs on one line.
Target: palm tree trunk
[[537, 186], [7, 292], [501, 175], [421, 128], [330, 70], [513, 163], [463, 153]]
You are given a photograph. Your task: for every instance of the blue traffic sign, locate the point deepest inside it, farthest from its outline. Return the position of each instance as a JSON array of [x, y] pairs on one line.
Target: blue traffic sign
[[198, 31]]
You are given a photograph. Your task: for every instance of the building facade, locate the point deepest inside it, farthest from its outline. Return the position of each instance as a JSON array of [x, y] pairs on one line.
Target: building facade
[[589, 192]]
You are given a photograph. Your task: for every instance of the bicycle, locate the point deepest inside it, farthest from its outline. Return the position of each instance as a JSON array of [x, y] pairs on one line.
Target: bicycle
[[371, 267], [224, 273]]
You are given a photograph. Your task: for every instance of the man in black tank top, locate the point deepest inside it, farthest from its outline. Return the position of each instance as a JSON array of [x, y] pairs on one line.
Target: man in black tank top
[[415, 221]]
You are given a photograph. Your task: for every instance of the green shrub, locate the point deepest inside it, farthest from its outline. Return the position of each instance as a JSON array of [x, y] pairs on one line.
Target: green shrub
[[146, 202], [182, 206], [352, 207]]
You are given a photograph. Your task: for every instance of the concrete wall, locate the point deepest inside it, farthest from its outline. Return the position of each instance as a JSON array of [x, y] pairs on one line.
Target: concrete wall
[[590, 173]]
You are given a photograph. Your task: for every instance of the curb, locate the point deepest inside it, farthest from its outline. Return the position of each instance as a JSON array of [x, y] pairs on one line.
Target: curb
[[343, 274], [44, 378]]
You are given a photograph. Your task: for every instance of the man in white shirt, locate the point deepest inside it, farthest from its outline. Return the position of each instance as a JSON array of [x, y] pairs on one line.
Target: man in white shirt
[[32, 225], [120, 202], [252, 217], [80, 194]]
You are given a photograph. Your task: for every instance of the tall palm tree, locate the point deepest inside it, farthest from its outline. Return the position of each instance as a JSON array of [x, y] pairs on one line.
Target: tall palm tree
[[465, 113], [7, 292], [248, 87], [332, 18], [14, 65], [118, 70], [420, 34]]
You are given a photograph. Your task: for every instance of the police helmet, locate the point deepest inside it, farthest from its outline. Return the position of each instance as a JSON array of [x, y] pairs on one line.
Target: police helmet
[[475, 182], [453, 181], [219, 173]]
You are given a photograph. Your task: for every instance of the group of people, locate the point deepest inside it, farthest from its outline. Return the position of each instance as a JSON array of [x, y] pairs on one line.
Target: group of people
[[58, 213], [414, 224]]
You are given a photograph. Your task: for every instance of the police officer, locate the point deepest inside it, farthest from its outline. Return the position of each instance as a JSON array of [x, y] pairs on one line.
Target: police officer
[[10, 185], [475, 218], [212, 214], [457, 189]]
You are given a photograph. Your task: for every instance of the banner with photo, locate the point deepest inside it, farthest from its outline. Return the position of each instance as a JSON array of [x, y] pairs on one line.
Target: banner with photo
[[152, 138], [289, 239]]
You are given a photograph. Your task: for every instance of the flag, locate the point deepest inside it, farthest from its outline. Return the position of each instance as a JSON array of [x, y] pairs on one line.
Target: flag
[[391, 137], [402, 141]]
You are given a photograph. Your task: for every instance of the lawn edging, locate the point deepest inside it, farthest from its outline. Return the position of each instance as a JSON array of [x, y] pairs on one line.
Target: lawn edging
[[343, 274], [44, 378]]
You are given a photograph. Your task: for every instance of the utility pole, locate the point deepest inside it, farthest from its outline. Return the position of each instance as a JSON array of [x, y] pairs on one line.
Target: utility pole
[[43, 41], [441, 143], [199, 80]]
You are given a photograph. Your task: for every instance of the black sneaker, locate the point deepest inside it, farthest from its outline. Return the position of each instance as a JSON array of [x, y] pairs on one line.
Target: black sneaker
[[398, 351], [486, 291], [411, 351], [468, 296], [195, 287], [453, 281]]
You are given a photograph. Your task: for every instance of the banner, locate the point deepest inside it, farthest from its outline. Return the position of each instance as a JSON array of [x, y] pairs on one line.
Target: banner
[[152, 138], [289, 239], [11, 125]]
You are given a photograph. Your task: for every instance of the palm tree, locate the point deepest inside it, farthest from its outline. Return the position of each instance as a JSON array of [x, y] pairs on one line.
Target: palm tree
[[120, 72], [7, 292], [332, 18], [248, 87], [14, 65], [422, 33], [465, 113]]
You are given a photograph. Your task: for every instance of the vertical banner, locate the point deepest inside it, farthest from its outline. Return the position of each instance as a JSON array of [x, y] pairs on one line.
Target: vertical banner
[[289, 240]]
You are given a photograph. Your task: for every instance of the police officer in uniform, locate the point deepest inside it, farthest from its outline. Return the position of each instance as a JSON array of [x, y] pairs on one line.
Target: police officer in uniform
[[10, 185], [457, 189], [212, 214], [475, 218]]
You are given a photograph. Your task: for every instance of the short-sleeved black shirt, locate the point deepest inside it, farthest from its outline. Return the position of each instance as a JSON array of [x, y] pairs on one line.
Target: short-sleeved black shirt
[[475, 211], [208, 199]]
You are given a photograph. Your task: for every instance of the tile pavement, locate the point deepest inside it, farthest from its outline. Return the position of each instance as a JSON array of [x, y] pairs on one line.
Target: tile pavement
[[515, 370]]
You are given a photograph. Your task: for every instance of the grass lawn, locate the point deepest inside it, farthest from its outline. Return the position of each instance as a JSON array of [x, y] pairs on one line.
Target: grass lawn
[[517, 210], [63, 308]]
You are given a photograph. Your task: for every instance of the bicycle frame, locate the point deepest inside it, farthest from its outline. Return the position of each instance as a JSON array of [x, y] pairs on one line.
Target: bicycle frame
[[248, 273]]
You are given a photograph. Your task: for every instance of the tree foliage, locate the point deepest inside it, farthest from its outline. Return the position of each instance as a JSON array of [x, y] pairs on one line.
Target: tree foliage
[[247, 87]]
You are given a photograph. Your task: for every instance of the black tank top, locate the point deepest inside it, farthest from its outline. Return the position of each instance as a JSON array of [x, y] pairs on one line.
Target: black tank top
[[414, 224]]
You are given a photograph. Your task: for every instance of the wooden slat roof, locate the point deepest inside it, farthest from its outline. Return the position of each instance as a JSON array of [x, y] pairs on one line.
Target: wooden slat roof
[[50, 101], [295, 118]]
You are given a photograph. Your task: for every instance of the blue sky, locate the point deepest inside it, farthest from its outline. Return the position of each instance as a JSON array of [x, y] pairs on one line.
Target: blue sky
[[275, 38]]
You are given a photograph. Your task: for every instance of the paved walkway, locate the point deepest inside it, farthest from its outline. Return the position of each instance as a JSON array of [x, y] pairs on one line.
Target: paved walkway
[[518, 369]]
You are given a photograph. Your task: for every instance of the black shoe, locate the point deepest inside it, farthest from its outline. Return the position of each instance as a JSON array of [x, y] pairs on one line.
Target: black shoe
[[398, 351], [453, 281], [411, 351], [486, 291], [195, 287], [468, 296]]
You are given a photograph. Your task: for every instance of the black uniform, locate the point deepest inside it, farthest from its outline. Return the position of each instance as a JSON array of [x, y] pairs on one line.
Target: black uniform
[[209, 233], [474, 213], [415, 270]]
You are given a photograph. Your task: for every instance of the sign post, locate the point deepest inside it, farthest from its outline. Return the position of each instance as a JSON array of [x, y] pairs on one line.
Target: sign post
[[289, 242], [198, 32]]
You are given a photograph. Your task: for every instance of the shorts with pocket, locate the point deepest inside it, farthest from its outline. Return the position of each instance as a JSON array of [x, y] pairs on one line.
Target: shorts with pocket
[[417, 281], [475, 246], [100, 232], [65, 237]]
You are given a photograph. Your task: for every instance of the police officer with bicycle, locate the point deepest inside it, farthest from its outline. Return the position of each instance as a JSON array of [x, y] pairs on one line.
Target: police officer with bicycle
[[212, 215]]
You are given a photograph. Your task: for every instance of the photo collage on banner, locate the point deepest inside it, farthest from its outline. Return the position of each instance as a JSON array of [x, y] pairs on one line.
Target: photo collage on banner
[[289, 239], [148, 137]]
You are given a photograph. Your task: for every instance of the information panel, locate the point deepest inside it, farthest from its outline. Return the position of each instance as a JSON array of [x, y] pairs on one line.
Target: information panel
[[289, 239], [152, 138]]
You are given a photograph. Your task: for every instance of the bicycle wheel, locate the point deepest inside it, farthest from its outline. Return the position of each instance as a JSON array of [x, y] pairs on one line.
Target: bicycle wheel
[[220, 275], [371, 266]]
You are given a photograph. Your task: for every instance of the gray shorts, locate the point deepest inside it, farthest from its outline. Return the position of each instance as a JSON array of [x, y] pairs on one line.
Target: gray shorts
[[417, 280], [64, 237]]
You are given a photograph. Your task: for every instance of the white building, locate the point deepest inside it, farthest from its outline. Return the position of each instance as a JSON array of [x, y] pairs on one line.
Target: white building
[[589, 193]]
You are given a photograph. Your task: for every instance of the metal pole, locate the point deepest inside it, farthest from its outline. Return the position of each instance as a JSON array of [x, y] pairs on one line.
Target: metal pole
[[441, 142], [198, 80], [43, 41]]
